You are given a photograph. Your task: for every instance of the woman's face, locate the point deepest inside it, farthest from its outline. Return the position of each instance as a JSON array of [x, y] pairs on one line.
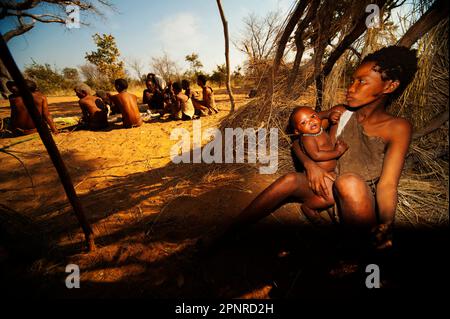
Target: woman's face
[[307, 121], [367, 86]]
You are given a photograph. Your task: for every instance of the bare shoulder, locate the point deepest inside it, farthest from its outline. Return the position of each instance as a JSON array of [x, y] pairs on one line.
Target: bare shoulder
[[87, 101], [39, 98], [400, 125], [399, 128], [82, 101]]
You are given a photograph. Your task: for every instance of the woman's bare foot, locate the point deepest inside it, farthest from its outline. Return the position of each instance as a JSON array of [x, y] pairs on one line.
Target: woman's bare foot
[[382, 236]]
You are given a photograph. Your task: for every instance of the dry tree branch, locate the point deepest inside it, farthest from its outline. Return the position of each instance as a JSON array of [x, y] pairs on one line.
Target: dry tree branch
[[19, 10]]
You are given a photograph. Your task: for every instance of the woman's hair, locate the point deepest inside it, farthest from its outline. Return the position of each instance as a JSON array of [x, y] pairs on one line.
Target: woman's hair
[[121, 84], [10, 85], [176, 86], [185, 83], [31, 85], [395, 63], [82, 88], [202, 78]]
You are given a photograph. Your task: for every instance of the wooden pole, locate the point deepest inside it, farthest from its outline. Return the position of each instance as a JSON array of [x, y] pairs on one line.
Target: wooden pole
[[227, 53], [47, 139]]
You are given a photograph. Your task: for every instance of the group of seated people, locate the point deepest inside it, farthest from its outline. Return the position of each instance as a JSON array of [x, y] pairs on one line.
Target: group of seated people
[[175, 98]]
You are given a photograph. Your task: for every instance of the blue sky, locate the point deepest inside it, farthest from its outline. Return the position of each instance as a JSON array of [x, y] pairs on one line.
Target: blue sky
[[145, 29]]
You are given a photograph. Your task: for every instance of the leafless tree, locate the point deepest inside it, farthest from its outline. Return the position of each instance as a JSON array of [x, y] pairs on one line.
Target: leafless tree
[[137, 66], [165, 67], [257, 40], [227, 54]]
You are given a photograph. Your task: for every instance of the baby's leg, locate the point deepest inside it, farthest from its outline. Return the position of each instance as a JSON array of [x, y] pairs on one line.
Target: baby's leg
[[313, 205]]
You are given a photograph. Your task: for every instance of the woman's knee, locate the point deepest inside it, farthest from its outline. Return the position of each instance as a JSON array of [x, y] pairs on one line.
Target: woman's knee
[[349, 184], [356, 204]]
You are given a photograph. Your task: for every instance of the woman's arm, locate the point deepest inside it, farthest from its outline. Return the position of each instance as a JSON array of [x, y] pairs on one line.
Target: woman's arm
[[315, 175], [398, 144]]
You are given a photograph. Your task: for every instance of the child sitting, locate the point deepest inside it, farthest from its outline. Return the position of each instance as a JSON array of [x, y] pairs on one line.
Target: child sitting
[[317, 144]]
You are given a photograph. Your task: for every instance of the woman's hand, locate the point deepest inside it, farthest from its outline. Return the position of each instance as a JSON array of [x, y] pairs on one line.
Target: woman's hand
[[315, 175], [316, 179]]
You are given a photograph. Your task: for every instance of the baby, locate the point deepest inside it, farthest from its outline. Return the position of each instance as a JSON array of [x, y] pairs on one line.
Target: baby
[[317, 144]]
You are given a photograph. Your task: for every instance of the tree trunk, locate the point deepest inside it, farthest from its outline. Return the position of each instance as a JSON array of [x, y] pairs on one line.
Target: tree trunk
[[299, 33], [298, 58], [323, 24], [348, 40], [48, 141], [286, 34], [437, 12], [227, 54]]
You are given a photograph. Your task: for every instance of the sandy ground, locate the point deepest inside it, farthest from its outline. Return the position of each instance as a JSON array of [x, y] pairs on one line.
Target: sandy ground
[[141, 205], [147, 213]]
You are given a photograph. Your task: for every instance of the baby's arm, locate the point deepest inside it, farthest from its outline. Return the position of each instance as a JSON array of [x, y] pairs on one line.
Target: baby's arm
[[312, 149]]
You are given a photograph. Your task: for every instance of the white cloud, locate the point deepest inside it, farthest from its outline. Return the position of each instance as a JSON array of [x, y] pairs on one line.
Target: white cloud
[[183, 33], [180, 34]]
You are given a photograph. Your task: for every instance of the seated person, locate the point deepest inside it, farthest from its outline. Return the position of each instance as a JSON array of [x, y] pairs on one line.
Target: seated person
[[106, 98], [320, 148], [207, 100], [199, 109], [12, 87], [127, 104], [94, 110], [158, 81], [21, 122], [152, 96], [183, 108]]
